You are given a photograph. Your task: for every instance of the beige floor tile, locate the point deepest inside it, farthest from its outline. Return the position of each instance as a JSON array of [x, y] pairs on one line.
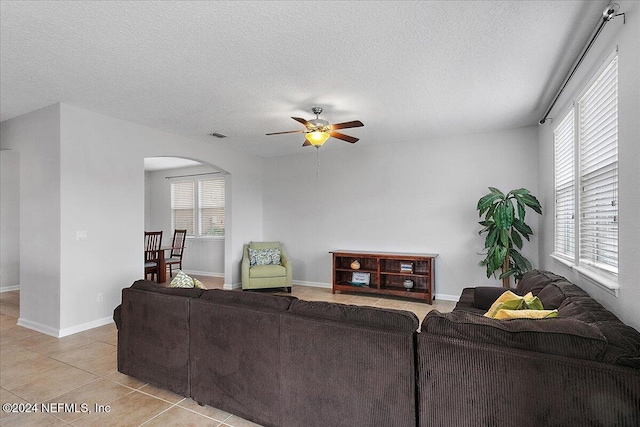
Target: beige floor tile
[[133, 409], [102, 366], [161, 393], [51, 345], [7, 397], [235, 421], [107, 334], [7, 321], [180, 417], [125, 380], [37, 419], [59, 379], [98, 392], [209, 411], [22, 366], [15, 332], [83, 354]]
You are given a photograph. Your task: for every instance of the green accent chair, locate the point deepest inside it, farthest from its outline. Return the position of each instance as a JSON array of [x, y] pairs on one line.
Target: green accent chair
[[266, 276]]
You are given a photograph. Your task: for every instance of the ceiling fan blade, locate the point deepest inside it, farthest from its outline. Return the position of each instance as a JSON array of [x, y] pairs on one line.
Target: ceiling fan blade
[[289, 131], [344, 137], [303, 121], [306, 143], [345, 125]]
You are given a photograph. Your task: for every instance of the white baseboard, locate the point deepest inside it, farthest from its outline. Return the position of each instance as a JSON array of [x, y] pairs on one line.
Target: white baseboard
[[231, 286], [203, 273], [313, 284], [59, 333], [9, 288], [444, 297], [38, 327], [84, 326]]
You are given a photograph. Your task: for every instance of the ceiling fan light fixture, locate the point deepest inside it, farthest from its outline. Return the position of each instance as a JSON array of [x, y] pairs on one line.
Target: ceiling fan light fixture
[[317, 138]]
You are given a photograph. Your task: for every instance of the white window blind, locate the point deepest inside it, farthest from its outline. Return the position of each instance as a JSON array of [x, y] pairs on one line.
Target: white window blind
[[598, 136], [198, 207], [182, 206], [211, 207], [563, 139]]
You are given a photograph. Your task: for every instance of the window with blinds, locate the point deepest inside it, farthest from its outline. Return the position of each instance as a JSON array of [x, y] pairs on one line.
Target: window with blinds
[[198, 206], [563, 141], [182, 206], [598, 166], [211, 207]]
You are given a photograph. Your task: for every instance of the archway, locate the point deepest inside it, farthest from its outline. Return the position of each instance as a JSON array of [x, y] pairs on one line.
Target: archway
[[207, 248]]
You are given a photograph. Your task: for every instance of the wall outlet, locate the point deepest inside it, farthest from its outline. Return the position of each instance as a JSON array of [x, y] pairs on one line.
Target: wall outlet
[[100, 297], [81, 235]]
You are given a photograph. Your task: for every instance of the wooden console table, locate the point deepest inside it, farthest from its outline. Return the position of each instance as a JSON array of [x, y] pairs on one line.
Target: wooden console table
[[386, 273]]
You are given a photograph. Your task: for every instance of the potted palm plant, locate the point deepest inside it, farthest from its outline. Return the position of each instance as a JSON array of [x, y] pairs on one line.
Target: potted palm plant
[[505, 227]]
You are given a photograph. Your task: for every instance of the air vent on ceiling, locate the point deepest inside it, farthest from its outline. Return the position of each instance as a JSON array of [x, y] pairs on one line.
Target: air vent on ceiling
[[218, 135]]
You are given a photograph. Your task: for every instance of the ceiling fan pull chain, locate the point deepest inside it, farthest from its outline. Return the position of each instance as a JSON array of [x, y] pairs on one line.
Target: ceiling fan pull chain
[[318, 158]]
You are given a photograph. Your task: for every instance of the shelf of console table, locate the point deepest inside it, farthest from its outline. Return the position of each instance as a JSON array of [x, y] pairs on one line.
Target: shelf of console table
[[386, 275]]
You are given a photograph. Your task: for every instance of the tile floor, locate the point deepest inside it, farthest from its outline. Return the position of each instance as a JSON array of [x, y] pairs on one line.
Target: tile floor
[[81, 369]]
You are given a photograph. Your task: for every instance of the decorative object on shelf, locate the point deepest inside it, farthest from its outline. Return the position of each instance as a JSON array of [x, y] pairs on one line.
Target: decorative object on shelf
[[360, 279], [355, 264], [408, 284], [505, 230], [406, 267]]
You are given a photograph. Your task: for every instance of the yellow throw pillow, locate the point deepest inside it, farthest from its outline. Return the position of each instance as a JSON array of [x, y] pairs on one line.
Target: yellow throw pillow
[[526, 314], [507, 300], [198, 284]]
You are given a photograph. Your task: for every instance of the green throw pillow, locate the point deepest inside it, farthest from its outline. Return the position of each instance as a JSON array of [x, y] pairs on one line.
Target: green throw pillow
[[182, 280]]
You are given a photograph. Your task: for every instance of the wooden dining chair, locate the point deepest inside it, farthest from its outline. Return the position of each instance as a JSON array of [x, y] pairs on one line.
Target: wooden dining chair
[[177, 249], [152, 243]]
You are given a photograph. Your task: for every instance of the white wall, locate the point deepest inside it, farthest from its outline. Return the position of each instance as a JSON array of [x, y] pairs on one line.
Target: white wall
[[36, 137], [106, 155], [202, 255], [83, 171], [413, 197], [627, 38], [9, 220]]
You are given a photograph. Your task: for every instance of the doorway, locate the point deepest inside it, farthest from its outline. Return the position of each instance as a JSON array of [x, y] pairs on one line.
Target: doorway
[[186, 194]]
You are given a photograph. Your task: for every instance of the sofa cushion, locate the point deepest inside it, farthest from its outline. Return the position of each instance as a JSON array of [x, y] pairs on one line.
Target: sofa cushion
[[565, 337], [146, 285], [624, 343], [585, 309], [485, 296], [365, 316], [275, 302], [536, 280], [267, 271]]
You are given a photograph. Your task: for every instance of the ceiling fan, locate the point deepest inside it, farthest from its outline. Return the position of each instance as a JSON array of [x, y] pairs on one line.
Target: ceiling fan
[[318, 130]]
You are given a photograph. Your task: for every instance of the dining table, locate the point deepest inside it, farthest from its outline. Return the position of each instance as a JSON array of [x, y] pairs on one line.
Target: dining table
[[162, 266]]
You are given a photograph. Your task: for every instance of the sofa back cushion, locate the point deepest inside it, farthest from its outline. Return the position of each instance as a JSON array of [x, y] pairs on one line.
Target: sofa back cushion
[[146, 285], [565, 337], [259, 300], [536, 280], [364, 316]]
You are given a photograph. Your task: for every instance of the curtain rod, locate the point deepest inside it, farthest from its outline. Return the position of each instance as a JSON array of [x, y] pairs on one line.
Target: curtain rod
[[608, 14], [195, 174]]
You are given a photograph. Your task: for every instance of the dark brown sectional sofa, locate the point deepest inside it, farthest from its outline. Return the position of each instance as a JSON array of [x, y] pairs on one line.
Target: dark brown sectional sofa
[[281, 361]]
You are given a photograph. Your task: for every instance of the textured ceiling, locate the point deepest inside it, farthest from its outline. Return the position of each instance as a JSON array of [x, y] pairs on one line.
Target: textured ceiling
[[408, 70]]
